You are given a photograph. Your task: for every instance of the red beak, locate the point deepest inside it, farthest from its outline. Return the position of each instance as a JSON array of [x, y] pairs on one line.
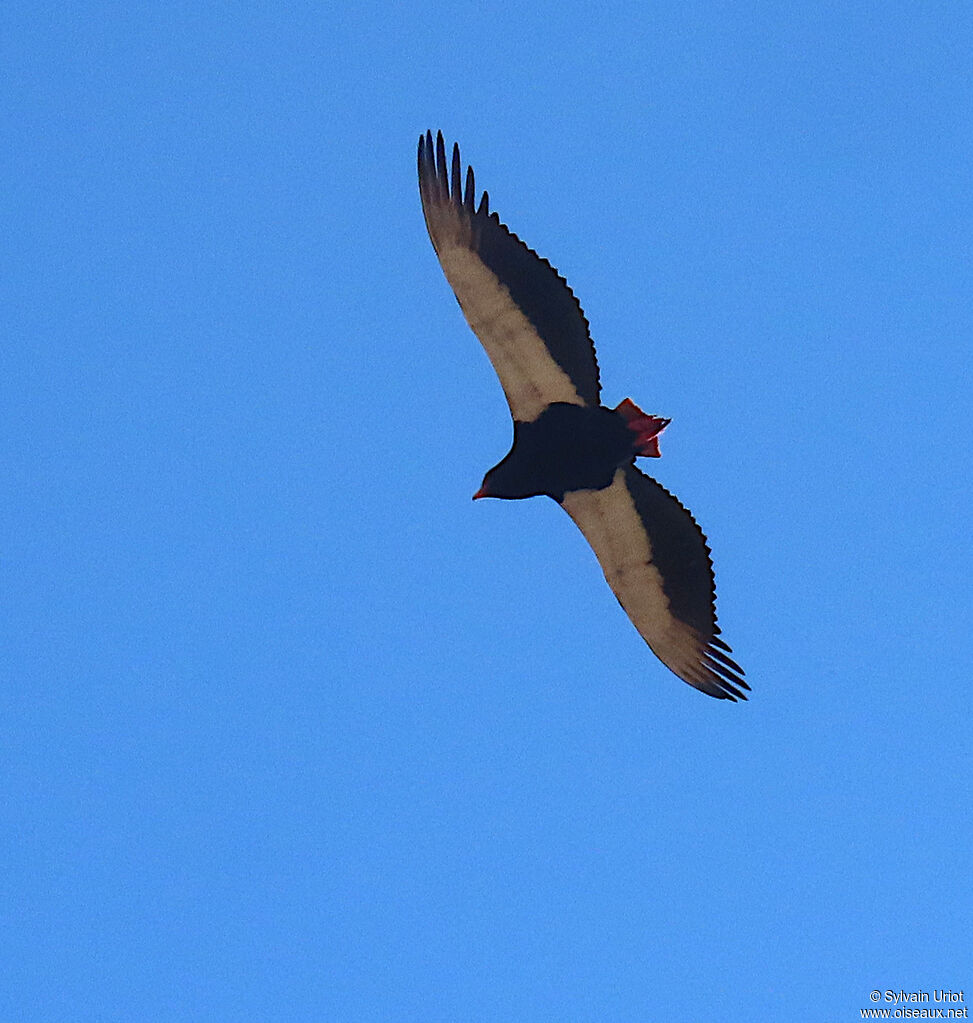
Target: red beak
[[482, 492]]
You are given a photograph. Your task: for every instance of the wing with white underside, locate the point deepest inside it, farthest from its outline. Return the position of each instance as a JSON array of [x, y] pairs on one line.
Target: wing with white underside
[[656, 561], [521, 309]]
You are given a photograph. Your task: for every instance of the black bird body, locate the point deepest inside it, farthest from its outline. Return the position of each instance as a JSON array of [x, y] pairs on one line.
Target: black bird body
[[567, 445]]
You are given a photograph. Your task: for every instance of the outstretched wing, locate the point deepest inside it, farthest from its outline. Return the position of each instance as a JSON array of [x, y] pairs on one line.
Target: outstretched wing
[[656, 561], [521, 309]]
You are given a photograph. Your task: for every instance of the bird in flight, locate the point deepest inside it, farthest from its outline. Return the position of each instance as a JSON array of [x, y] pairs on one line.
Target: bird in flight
[[568, 445]]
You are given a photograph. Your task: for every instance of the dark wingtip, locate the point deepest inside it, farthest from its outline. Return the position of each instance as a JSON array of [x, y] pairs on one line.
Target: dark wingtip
[[456, 187], [426, 161], [445, 177], [722, 657], [723, 672], [723, 690], [719, 690], [441, 167]]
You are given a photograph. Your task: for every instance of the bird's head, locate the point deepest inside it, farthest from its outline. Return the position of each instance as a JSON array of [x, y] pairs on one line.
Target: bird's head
[[510, 479]]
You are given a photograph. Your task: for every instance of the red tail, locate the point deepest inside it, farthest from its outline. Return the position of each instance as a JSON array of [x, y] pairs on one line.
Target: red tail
[[646, 428]]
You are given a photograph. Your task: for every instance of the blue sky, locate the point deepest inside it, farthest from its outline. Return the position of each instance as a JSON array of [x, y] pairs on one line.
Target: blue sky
[[291, 729]]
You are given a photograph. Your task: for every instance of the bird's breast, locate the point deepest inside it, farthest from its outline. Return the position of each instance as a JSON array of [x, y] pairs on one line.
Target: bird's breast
[[572, 447]]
